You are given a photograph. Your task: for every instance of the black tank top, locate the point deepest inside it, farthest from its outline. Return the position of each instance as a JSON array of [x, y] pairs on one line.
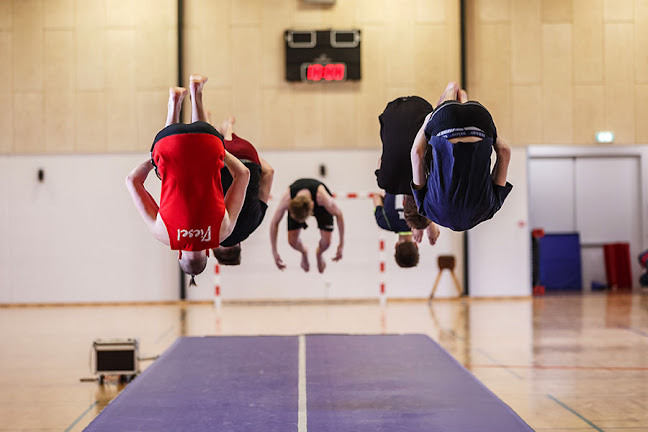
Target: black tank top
[[311, 185], [399, 124]]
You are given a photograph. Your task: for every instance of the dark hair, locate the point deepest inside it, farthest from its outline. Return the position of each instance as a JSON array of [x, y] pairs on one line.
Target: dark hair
[[300, 207], [228, 255], [192, 282], [412, 216], [407, 254]]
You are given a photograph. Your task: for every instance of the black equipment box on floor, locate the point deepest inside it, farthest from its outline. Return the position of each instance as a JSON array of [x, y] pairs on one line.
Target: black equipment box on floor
[[116, 356]]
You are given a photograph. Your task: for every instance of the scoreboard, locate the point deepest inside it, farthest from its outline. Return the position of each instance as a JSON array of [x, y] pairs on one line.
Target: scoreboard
[[322, 55]]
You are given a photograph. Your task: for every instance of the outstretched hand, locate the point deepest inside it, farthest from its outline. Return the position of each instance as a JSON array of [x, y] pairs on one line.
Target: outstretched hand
[[338, 254], [433, 233], [417, 235], [279, 262]]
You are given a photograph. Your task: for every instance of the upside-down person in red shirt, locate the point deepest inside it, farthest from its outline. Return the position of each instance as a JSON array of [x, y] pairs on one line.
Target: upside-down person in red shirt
[[193, 215]]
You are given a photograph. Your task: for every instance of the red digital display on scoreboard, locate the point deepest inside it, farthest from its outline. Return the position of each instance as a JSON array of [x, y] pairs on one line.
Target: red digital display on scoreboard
[[323, 71]]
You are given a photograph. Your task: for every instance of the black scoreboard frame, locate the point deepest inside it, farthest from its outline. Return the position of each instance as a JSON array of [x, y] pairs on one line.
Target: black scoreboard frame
[[322, 55]]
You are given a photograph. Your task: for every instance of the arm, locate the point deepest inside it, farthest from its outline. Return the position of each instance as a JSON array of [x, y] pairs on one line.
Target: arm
[[418, 156], [274, 227], [503, 158], [417, 235], [235, 194], [327, 201], [144, 202], [265, 182], [378, 200]]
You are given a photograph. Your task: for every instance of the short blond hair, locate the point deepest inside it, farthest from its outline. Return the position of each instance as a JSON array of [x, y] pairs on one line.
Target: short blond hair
[[300, 207]]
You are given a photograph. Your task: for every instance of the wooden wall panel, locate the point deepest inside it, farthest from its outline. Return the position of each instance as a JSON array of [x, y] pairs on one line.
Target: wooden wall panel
[[59, 70], [557, 84], [246, 13], [6, 60], [6, 14], [90, 124], [246, 80], [59, 14], [557, 11], [120, 56], [121, 124], [370, 12], [432, 11], [119, 13], [526, 115], [29, 123], [28, 47], [120, 48], [489, 11], [60, 127], [588, 112], [619, 81], [399, 42], [588, 41], [641, 41], [6, 123], [618, 10], [90, 50], [277, 129], [526, 37], [151, 106], [641, 112]]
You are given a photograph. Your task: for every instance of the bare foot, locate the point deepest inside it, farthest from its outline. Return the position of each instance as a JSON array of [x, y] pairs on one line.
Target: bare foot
[[450, 93], [176, 96], [462, 96], [196, 82], [227, 128], [304, 262], [321, 264]]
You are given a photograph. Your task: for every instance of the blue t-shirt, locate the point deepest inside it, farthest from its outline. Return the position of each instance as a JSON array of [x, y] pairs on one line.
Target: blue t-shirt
[[459, 192], [390, 215]]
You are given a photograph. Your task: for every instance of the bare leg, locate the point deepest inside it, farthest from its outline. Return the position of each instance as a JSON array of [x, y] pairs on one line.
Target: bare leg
[[324, 244], [265, 182], [450, 93], [196, 83], [295, 242], [227, 128], [176, 96], [462, 96]]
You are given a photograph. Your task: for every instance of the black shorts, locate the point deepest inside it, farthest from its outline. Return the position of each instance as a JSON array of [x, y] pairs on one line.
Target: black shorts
[[253, 210], [200, 127], [324, 221], [454, 119]]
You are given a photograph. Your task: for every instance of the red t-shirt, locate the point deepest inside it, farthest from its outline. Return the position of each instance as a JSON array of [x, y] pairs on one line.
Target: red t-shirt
[[242, 149], [191, 201]]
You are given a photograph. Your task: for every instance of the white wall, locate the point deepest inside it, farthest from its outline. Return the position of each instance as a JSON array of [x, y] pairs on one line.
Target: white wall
[[608, 186], [499, 249], [76, 237]]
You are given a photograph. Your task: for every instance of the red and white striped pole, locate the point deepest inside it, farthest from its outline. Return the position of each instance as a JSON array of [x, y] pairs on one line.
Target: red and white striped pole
[[381, 256], [217, 286]]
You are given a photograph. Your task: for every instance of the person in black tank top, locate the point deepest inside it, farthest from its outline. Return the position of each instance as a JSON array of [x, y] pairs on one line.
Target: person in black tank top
[[307, 197], [256, 196], [399, 123], [389, 211]]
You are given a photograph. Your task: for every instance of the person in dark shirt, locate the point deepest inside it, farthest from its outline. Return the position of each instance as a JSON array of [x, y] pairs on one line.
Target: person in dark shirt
[[306, 197], [399, 123], [451, 158], [389, 214], [256, 196]]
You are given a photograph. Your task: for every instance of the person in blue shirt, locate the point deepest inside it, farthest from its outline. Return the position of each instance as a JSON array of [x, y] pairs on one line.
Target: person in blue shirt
[[452, 181], [389, 212]]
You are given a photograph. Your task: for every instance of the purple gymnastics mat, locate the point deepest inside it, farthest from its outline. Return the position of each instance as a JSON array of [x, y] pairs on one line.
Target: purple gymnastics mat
[[387, 383]]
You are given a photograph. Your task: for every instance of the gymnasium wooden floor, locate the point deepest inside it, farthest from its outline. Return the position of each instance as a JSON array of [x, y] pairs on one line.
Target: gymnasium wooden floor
[[563, 363]]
